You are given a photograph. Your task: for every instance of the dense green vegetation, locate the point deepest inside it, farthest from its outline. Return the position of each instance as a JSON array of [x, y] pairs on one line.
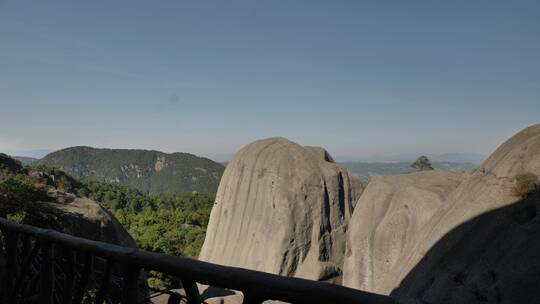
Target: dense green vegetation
[[148, 171], [9, 165], [173, 232], [17, 188], [115, 197], [422, 163], [169, 223], [21, 189]]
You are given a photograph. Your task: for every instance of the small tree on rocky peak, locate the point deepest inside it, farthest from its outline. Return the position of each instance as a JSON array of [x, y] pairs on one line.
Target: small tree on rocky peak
[[422, 164], [526, 183]]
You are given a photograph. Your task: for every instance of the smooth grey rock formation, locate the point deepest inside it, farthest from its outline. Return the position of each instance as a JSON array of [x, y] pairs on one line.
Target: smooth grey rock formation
[[388, 217], [81, 217], [282, 208], [481, 245], [484, 246], [492, 258]]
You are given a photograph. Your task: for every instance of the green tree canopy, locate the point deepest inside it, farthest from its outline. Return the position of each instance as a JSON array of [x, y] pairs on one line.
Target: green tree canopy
[[422, 164]]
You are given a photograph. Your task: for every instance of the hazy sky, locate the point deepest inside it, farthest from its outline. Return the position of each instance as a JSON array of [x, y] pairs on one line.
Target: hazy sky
[[207, 77]]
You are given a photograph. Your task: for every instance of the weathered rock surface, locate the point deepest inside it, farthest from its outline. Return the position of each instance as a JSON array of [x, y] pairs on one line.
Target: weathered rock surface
[[282, 208], [492, 258], [479, 246], [80, 217], [388, 217]]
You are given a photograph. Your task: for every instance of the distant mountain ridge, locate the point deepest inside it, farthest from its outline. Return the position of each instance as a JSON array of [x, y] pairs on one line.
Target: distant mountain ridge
[[146, 170], [459, 157], [367, 170], [25, 160]]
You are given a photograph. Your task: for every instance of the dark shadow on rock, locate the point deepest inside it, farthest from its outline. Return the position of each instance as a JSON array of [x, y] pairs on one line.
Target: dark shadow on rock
[[493, 258], [213, 292]]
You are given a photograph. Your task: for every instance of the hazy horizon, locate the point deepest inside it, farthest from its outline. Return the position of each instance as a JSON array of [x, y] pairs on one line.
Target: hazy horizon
[[474, 158], [359, 79]]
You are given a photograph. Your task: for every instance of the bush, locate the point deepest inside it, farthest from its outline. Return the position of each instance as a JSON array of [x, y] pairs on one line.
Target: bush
[[17, 216], [21, 189], [422, 164], [9, 164], [525, 184]]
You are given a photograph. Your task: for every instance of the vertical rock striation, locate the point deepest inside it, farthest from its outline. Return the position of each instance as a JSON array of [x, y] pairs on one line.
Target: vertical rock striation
[[282, 208], [387, 219]]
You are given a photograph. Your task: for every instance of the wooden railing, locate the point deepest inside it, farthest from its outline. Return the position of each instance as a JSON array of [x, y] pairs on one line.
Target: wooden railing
[[45, 266]]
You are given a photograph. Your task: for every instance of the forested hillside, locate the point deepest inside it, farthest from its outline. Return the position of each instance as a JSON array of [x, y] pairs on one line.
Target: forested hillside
[[170, 223], [148, 171]]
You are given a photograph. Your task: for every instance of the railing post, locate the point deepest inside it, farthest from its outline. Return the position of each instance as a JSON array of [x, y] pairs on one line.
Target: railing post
[[47, 273], [192, 291], [11, 264], [85, 278], [105, 282], [251, 298], [26, 248], [28, 255], [69, 283], [130, 293]]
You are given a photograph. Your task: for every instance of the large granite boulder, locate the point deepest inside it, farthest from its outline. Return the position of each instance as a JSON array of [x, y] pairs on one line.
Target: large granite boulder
[[282, 208], [484, 246], [480, 246], [81, 217], [387, 219]]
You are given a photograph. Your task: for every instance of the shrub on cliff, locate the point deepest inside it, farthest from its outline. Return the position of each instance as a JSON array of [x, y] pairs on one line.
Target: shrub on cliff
[[525, 184], [9, 164], [20, 189]]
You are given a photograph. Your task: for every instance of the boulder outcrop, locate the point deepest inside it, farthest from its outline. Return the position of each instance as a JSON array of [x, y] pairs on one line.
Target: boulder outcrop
[[81, 217], [282, 208], [387, 219], [480, 245]]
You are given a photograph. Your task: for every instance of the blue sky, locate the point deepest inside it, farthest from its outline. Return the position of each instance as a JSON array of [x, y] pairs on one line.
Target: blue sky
[[359, 78]]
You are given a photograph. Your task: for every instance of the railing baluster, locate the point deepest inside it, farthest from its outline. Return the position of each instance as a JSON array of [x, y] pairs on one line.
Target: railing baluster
[[69, 284], [85, 278], [2, 274], [105, 282], [174, 298], [11, 264], [131, 284], [26, 246], [47, 273], [27, 261], [192, 291], [251, 298], [32, 286]]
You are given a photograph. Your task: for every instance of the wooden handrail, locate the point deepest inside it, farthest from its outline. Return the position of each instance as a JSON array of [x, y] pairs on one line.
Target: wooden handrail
[[256, 286]]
